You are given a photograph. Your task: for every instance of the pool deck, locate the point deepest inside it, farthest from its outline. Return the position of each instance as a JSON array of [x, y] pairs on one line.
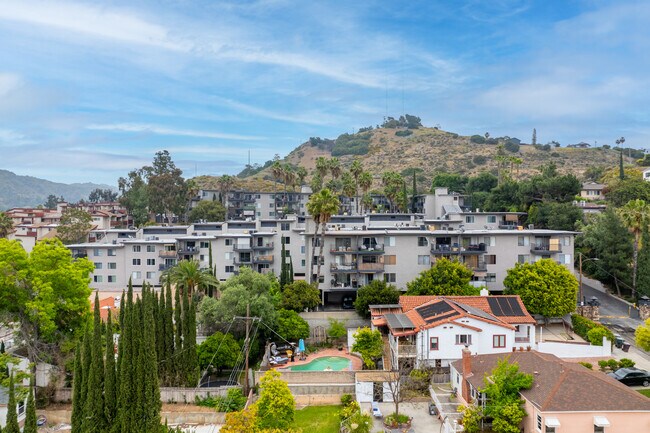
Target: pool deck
[[357, 363]]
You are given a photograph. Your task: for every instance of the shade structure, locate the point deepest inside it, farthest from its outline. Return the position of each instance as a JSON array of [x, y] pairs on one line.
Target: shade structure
[[301, 345]]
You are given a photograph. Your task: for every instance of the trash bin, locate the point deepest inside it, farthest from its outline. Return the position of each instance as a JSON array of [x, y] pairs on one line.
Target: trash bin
[[626, 346], [618, 341]]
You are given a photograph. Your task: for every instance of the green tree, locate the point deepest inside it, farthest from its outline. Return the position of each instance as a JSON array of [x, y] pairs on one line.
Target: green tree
[[286, 273], [208, 210], [188, 277], [135, 195], [620, 192], [98, 194], [453, 181], [30, 413], [369, 345], [6, 225], [11, 425], [110, 385], [94, 421], [643, 275], [189, 342], [504, 198], [365, 183], [218, 351], [299, 296], [276, 406], [166, 187], [45, 293], [377, 292], [226, 183], [392, 183], [77, 402], [291, 326], [336, 329], [321, 206], [554, 216], [356, 169], [642, 335], [504, 404], [545, 287], [635, 215], [444, 278], [74, 226]]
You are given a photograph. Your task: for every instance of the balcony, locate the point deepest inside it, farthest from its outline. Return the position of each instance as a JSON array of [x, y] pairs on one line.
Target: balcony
[[264, 246], [242, 247], [407, 350], [343, 267], [163, 268], [361, 249], [545, 249], [187, 251], [263, 259], [371, 267], [170, 254], [246, 261], [79, 255]]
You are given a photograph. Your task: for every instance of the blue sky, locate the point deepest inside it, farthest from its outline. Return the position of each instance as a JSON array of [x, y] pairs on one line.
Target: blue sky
[[90, 90]]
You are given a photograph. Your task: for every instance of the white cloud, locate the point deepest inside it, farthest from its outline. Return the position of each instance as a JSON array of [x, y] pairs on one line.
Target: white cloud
[[13, 138], [161, 130], [309, 118]]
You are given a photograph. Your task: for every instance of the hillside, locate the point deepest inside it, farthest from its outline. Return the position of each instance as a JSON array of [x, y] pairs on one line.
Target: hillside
[[432, 151], [23, 191]]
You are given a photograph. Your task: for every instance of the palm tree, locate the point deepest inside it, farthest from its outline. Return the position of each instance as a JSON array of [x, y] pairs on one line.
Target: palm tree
[[277, 170], [301, 174], [365, 182], [289, 178], [6, 225], [356, 169], [226, 182], [348, 187], [188, 276], [322, 167], [636, 216], [335, 167], [321, 206], [392, 182]]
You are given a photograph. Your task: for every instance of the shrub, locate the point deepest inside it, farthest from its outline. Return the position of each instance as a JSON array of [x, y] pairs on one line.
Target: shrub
[[596, 334], [352, 144], [453, 135], [582, 326], [602, 364], [232, 402], [478, 139], [395, 419], [586, 364], [626, 363], [612, 364], [346, 399], [479, 160], [511, 146], [404, 133]]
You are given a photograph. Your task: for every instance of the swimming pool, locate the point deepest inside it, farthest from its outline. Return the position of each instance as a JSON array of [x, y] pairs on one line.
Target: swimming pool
[[335, 363]]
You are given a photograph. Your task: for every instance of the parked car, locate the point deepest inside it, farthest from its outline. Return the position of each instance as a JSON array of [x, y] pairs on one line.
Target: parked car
[[347, 303], [631, 376], [376, 412], [433, 410]]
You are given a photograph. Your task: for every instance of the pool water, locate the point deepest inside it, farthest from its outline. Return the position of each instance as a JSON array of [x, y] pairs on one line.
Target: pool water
[[335, 363]]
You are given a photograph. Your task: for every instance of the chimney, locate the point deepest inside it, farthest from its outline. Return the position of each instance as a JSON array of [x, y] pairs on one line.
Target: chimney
[[467, 362], [485, 292]]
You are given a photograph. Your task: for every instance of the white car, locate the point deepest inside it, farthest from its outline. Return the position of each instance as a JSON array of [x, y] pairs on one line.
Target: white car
[[376, 412]]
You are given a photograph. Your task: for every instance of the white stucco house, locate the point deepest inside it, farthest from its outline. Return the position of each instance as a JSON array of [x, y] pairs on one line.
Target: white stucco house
[[433, 331]]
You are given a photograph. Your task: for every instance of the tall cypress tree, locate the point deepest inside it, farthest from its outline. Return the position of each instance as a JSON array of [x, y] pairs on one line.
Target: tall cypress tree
[[212, 269], [621, 170], [161, 338], [151, 403], [284, 279], [12, 416], [415, 192], [290, 269], [178, 340], [94, 421], [192, 360], [30, 414], [167, 361], [77, 402], [124, 422], [110, 389], [86, 357], [187, 342], [139, 357]]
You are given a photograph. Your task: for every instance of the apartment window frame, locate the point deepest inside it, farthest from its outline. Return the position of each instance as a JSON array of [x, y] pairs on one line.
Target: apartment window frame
[[151, 248], [111, 252], [423, 241], [151, 262], [229, 269], [136, 262], [463, 339], [499, 341], [111, 279], [389, 241], [490, 259], [150, 275], [228, 241], [424, 259], [287, 240], [491, 219], [433, 343], [390, 277], [136, 275], [98, 278], [523, 241], [97, 252], [98, 265], [469, 219], [111, 265], [285, 227], [137, 248], [204, 244]]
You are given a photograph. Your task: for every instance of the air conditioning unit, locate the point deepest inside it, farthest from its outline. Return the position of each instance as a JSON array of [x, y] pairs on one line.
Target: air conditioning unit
[[531, 226]]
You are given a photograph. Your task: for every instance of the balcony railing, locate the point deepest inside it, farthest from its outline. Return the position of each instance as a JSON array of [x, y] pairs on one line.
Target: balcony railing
[[372, 267], [188, 251], [407, 350], [546, 248], [263, 259], [242, 261], [343, 267], [264, 246], [456, 249], [167, 253], [361, 249], [242, 247]]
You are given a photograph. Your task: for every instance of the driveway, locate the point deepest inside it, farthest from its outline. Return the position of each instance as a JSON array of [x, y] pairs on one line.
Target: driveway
[[422, 421]]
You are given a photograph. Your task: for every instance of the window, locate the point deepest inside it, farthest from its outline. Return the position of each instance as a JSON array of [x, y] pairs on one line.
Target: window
[[271, 214], [491, 278], [285, 226], [389, 277], [228, 242], [424, 260], [136, 275], [302, 262], [389, 241], [564, 259], [111, 252], [566, 241], [136, 248], [287, 240], [390, 259], [549, 429], [98, 265], [151, 262], [422, 241], [469, 219], [523, 241], [433, 343], [302, 249], [230, 269], [97, 252], [202, 258], [464, 339], [539, 422], [498, 341], [491, 219], [523, 258], [229, 255], [151, 275], [112, 265], [599, 429], [271, 205], [98, 278], [112, 279], [489, 241], [151, 248], [136, 262], [204, 244], [490, 259], [21, 407]]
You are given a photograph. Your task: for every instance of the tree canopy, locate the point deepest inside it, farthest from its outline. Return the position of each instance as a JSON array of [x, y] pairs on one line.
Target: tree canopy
[[504, 404], [377, 292], [74, 226], [208, 210], [445, 278], [642, 335], [299, 296], [98, 195], [291, 326], [369, 345], [225, 357], [545, 287]]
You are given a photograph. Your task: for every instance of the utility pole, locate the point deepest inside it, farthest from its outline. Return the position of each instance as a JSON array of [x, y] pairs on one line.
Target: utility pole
[[247, 344]]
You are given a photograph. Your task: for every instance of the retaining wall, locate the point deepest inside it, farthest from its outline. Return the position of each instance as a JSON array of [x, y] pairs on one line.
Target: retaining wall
[[167, 394], [575, 350]]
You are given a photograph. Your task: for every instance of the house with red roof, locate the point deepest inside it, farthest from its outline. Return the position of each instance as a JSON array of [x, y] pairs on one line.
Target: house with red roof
[[433, 330]]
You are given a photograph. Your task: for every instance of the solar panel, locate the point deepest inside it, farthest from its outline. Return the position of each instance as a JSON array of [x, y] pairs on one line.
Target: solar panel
[[434, 309], [399, 321], [505, 306], [476, 311], [442, 316]]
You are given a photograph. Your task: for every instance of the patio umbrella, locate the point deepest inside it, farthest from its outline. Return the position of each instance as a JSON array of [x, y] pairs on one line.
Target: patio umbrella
[[301, 345]]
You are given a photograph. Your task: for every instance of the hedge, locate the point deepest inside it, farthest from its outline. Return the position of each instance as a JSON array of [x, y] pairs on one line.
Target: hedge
[[582, 326]]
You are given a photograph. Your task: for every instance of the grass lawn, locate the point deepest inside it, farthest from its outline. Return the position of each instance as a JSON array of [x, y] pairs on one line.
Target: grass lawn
[[318, 419], [645, 392]]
